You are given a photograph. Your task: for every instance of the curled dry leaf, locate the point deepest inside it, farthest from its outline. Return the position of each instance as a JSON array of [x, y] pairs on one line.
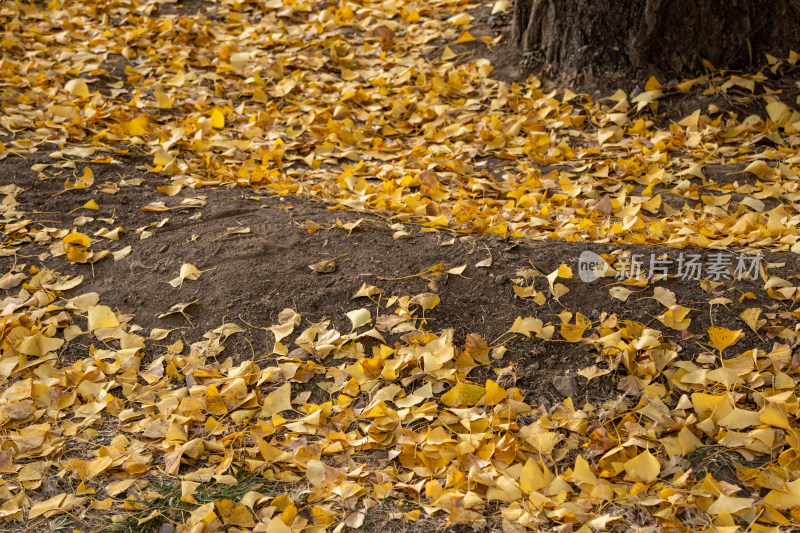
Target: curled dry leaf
[[76, 246], [324, 267], [188, 271], [11, 280], [179, 308], [486, 263], [359, 317], [367, 291]]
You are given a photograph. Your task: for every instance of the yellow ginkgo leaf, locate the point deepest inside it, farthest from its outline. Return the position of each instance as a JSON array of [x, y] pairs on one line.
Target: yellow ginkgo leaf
[[572, 332], [675, 317], [163, 99], [644, 467], [750, 317], [188, 271], [592, 372], [77, 87], [775, 415], [138, 126], [563, 271], [664, 296], [426, 300], [465, 37], [101, 317], [462, 19], [494, 393], [367, 291], [214, 402], [359, 317], [620, 293], [179, 308], [217, 118], [76, 246], [501, 6], [162, 158], [86, 180], [91, 204], [728, 504], [526, 326], [234, 514], [448, 54], [722, 338], [278, 400], [239, 59], [459, 270], [463, 394], [324, 267], [559, 290]]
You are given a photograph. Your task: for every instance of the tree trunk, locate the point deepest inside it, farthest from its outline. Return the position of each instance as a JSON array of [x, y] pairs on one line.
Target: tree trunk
[[586, 41]]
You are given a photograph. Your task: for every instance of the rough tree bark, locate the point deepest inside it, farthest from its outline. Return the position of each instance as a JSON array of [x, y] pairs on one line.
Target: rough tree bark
[[585, 41]]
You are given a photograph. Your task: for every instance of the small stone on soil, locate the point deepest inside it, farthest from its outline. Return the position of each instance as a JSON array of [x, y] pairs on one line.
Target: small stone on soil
[[49, 488], [565, 385]]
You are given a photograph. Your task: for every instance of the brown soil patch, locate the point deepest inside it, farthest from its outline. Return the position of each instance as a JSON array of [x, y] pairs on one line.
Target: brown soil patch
[[253, 276]]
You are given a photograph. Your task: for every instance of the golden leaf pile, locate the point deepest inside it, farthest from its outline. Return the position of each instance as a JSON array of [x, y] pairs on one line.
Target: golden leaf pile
[[365, 105]]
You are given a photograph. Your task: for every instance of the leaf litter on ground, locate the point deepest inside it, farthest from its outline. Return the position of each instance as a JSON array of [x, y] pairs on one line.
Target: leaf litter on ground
[[356, 104]]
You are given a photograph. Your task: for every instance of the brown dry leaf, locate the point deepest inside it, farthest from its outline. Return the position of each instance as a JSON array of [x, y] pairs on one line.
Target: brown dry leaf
[[486, 263], [11, 280], [367, 291], [324, 267], [592, 372], [179, 308], [232, 231]]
